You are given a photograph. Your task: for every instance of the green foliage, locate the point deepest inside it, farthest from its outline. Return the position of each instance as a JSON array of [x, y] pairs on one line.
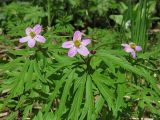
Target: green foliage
[[19, 15]]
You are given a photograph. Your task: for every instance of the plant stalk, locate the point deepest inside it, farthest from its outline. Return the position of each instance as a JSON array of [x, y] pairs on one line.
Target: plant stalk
[[49, 12]]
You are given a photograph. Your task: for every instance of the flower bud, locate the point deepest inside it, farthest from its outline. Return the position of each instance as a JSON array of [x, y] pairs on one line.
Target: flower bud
[[93, 52]]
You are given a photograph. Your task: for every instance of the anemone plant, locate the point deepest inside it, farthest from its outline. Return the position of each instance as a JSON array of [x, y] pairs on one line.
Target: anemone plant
[[44, 83]]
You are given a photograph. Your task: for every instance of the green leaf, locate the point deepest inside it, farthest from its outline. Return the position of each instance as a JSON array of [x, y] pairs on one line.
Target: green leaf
[[120, 93], [77, 101], [103, 79], [117, 18], [95, 62], [89, 98], [23, 52], [37, 70], [12, 116], [28, 77], [18, 87], [50, 116], [65, 93], [39, 116], [54, 93], [12, 64], [21, 101], [99, 103], [27, 110], [118, 61], [105, 92], [89, 104]]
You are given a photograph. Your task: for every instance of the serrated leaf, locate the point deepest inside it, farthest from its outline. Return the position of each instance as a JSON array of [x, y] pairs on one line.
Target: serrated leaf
[[89, 98], [95, 62], [65, 93], [77, 101], [27, 110], [55, 92], [99, 103], [105, 92]]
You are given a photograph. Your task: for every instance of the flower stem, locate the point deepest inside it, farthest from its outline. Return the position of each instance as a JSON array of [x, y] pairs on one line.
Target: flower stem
[[83, 59], [49, 12], [87, 62]]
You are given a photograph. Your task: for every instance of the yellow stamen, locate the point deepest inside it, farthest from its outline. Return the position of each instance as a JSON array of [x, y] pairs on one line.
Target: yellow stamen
[[77, 43], [32, 34], [132, 45]]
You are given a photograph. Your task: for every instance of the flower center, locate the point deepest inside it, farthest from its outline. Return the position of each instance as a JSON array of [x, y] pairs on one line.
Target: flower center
[[132, 45], [32, 34], [77, 43]]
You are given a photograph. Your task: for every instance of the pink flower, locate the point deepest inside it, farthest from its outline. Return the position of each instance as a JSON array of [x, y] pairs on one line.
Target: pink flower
[[77, 45], [33, 35], [132, 48]]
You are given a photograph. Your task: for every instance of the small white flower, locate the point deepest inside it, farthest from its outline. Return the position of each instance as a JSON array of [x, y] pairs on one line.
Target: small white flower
[[128, 24], [155, 75]]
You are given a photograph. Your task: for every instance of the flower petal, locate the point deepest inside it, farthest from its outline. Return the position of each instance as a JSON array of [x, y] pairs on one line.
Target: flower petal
[[24, 39], [40, 38], [128, 49], [37, 29], [68, 44], [138, 48], [86, 42], [28, 30], [72, 52], [31, 43], [125, 45], [77, 36], [83, 50], [133, 53]]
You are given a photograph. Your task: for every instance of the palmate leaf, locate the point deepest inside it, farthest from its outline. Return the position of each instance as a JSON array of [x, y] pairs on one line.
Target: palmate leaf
[[20, 102], [103, 79], [27, 110], [89, 102], [154, 53], [18, 87], [63, 60], [77, 101], [37, 70], [104, 91], [89, 98], [121, 83], [118, 61], [120, 93], [61, 63], [99, 103], [21, 52], [28, 77], [127, 66], [11, 65], [150, 79], [39, 116], [65, 93], [54, 94], [22, 82], [84, 113], [15, 17], [50, 116], [12, 116], [95, 61]]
